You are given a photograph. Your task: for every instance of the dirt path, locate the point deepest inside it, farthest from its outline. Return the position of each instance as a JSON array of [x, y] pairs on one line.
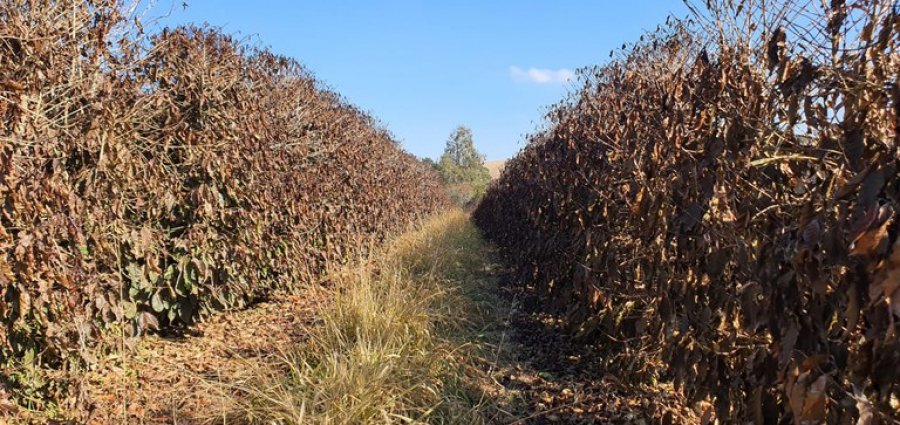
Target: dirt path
[[562, 382], [541, 375], [165, 379], [503, 364]]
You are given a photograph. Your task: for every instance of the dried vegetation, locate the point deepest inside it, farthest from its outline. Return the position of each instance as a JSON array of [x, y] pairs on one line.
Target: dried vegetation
[[148, 180], [400, 342], [717, 207]]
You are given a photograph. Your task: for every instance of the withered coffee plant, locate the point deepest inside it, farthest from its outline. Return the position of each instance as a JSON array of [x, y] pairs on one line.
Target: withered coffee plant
[[148, 180], [717, 207]]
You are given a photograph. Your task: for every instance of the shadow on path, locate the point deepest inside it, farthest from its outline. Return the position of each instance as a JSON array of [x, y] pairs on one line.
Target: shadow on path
[[548, 377]]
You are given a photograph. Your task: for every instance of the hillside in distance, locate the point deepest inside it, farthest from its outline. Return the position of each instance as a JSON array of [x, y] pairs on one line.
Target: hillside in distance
[[495, 167]]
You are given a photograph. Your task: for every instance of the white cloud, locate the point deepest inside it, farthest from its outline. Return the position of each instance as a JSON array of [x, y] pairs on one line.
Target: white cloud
[[541, 76]]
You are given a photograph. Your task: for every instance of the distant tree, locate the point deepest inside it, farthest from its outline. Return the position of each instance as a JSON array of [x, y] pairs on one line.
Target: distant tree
[[430, 162], [461, 162], [462, 166]]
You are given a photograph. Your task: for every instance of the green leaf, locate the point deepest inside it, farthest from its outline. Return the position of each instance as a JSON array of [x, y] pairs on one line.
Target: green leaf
[[154, 276], [183, 287], [28, 357], [157, 303], [130, 309], [191, 272], [136, 274], [169, 273], [185, 311]]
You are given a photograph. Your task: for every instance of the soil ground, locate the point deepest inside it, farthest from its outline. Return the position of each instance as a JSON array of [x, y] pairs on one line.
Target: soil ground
[[165, 379], [545, 376], [562, 383]]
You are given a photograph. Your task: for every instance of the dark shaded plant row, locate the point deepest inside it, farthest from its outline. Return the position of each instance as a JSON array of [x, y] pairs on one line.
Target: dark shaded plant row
[[717, 208]]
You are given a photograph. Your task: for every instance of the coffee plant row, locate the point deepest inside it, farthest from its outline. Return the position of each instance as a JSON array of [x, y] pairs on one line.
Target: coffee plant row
[[717, 207], [148, 180]]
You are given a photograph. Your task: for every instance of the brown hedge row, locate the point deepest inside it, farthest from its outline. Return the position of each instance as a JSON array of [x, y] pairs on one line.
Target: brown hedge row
[[149, 180], [717, 207]]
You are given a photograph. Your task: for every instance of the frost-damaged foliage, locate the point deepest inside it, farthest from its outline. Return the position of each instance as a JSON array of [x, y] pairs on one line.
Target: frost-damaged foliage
[[150, 180], [718, 206]]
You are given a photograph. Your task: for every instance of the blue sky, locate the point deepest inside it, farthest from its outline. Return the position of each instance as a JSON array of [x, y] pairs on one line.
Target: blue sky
[[424, 67]]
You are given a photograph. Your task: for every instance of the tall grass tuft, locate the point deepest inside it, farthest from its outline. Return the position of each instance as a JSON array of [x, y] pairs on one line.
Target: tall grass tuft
[[394, 346]]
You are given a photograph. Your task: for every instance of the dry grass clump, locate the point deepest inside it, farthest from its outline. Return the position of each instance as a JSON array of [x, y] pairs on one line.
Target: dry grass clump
[[394, 346]]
